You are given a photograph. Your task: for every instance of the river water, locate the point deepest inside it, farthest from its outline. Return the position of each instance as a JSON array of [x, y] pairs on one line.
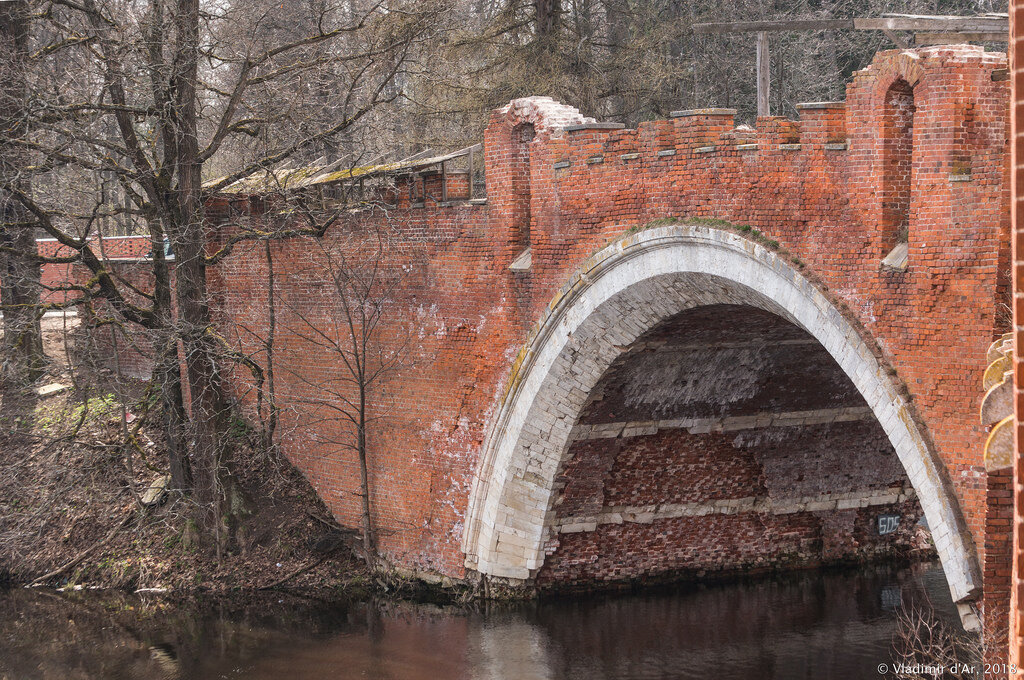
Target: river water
[[821, 625]]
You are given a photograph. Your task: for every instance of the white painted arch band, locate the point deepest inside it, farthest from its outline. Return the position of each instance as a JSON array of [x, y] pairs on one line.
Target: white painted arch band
[[619, 294]]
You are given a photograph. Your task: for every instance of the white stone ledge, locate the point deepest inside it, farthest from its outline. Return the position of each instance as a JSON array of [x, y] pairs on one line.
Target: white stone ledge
[[646, 514], [730, 424]]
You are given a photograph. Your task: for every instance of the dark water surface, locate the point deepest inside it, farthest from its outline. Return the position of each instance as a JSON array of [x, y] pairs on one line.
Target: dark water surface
[[832, 624]]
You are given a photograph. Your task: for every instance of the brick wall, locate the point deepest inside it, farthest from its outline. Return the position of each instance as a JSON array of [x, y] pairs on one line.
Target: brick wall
[[998, 557], [1016, 623], [815, 185], [125, 348], [55, 274]]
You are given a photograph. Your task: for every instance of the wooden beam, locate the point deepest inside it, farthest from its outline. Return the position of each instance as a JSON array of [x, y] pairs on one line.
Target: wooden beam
[[987, 23], [761, 26], [954, 38], [896, 39], [763, 75], [909, 22]]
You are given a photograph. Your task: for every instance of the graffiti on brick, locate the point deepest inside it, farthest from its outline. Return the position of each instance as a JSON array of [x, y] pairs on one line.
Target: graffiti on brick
[[888, 524]]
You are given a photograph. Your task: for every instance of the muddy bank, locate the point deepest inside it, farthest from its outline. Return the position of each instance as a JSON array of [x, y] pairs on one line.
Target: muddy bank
[[75, 496]]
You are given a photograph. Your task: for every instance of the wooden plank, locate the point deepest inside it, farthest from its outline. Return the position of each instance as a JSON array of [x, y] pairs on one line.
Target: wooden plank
[[794, 25], [1001, 16], [896, 39], [934, 24], [987, 23], [954, 38], [763, 75]]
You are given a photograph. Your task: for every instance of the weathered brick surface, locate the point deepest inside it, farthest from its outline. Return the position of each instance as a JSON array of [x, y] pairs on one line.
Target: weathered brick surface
[[720, 361], [694, 546], [1016, 621], [726, 403], [822, 200], [123, 347], [998, 561]]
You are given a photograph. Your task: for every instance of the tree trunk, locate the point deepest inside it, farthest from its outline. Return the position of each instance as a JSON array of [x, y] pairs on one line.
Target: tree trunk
[[271, 330], [167, 372], [364, 479], [549, 15], [23, 360], [207, 402]]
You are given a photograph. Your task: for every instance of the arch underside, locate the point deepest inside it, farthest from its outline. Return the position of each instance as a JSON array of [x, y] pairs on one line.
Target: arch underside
[[725, 439], [518, 506]]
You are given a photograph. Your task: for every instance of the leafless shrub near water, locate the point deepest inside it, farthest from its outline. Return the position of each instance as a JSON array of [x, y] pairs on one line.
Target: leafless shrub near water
[[929, 648]]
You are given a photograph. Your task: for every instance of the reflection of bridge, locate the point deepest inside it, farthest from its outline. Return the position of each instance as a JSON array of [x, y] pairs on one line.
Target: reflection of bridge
[[612, 380]]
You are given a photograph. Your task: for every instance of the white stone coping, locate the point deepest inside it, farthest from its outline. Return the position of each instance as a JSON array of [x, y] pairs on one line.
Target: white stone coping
[[823, 416]]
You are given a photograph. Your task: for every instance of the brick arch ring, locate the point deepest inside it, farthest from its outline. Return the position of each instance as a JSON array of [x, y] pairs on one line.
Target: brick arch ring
[[616, 296]]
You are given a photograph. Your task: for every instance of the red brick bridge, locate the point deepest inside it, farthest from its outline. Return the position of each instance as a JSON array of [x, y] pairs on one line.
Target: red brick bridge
[[682, 349]]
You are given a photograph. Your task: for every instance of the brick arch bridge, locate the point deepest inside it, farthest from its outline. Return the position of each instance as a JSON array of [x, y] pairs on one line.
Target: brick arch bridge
[[754, 396]]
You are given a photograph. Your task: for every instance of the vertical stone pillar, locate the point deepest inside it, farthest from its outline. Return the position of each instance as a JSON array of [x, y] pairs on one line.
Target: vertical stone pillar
[[512, 133]]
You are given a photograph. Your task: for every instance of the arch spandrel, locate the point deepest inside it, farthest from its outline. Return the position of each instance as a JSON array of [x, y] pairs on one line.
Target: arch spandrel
[[620, 293]]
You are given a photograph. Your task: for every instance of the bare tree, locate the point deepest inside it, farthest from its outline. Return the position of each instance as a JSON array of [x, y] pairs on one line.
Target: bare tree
[[21, 358], [928, 647], [354, 330], [149, 94], [630, 62]]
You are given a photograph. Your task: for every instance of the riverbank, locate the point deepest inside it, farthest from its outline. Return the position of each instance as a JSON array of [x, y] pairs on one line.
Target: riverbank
[[81, 503], [72, 513]]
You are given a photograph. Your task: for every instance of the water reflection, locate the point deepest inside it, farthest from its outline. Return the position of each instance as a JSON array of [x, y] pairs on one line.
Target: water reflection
[[811, 625]]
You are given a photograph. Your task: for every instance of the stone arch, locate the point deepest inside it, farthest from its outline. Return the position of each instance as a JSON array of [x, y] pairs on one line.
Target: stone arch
[[613, 299]]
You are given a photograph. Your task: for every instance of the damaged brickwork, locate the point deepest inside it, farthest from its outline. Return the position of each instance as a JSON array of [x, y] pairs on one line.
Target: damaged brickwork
[[724, 420]]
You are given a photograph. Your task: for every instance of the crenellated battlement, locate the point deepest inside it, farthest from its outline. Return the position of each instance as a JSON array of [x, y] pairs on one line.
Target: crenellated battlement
[[919, 142], [922, 133]]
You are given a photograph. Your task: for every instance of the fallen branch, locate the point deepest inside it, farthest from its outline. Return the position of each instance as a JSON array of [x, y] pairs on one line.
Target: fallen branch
[[332, 524], [85, 553], [295, 573]]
